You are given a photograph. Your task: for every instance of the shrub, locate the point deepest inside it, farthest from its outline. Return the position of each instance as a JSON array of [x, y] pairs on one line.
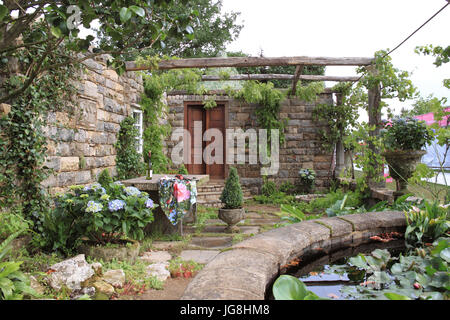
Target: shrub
[[182, 170], [406, 134], [128, 160], [104, 178], [232, 195], [307, 180], [268, 188], [427, 224], [101, 216], [13, 283], [12, 221], [287, 187]]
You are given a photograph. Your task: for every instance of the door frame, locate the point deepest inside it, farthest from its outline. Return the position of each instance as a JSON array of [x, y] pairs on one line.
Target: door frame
[[187, 104]]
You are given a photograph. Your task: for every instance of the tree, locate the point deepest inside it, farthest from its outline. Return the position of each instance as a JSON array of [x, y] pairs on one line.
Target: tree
[[212, 31], [43, 27]]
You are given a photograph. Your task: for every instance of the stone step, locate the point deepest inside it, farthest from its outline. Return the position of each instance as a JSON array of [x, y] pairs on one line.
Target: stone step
[[212, 242]]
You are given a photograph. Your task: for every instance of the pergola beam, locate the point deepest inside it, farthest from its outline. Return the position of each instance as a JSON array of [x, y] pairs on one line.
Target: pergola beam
[[276, 76], [252, 62]]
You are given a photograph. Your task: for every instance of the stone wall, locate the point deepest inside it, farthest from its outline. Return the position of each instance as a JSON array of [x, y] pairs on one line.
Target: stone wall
[[82, 145], [302, 148]]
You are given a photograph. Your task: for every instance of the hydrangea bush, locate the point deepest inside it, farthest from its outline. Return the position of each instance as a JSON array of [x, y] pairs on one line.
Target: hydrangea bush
[[101, 216]]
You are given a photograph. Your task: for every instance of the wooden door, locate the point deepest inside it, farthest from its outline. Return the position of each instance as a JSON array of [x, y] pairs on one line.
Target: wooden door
[[216, 119], [198, 120], [196, 124]]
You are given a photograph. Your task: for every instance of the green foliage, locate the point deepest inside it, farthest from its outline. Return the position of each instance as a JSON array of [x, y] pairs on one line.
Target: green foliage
[[13, 283], [268, 188], [12, 221], [296, 214], [339, 119], [422, 274], [128, 160], [310, 91], [426, 224], [182, 170], [406, 134], [104, 178], [103, 217], [287, 187], [212, 28], [269, 98], [232, 195], [287, 287], [277, 197], [307, 179], [441, 54]]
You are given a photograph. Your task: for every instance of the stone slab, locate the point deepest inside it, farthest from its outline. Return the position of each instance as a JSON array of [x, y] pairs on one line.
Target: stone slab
[[156, 256], [199, 256], [212, 242]]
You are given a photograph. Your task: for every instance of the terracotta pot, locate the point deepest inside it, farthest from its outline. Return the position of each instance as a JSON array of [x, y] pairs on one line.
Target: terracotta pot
[[402, 164], [231, 217]]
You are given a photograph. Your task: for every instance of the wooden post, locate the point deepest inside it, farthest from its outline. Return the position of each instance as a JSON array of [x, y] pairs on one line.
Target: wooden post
[[340, 164], [374, 111], [298, 72]]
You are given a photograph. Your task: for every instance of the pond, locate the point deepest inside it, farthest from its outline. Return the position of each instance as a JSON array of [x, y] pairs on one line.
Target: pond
[[328, 275]]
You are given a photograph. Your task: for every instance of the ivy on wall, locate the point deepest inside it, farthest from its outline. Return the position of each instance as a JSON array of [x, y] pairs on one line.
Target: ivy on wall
[[23, 143]]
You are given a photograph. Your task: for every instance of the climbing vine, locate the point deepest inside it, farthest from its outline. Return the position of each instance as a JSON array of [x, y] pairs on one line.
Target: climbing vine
[[23, 141]]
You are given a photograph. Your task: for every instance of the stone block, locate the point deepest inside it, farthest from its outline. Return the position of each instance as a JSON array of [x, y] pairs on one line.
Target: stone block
[[69, 163], [90, 89]]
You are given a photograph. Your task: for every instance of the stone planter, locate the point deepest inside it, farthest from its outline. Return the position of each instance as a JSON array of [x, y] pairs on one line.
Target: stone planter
[[231, 217], [402, 164], [128, 250]]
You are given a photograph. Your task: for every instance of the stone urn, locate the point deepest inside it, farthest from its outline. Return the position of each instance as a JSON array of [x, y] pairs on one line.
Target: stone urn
[[231, 217], [402, 164]]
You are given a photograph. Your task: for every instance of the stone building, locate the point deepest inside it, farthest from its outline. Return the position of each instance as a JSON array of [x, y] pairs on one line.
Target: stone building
[[301, 149], [81, 146]]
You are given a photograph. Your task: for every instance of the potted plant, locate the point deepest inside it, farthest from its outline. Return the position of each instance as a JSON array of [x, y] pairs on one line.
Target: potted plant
[[232, 198], [307, 180], [404, 139]]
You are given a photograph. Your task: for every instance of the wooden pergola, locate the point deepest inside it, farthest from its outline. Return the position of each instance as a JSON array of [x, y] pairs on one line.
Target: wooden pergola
[[299, 61]]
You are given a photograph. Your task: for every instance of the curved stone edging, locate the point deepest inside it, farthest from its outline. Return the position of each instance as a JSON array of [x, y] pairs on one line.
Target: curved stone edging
[[245, 271]]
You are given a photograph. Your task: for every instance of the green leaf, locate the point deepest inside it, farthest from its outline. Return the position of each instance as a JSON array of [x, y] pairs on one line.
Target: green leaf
[[3, 12], [137, 10], [289, 288], [396, 296], [125, 14], [445, 254], [56, 31], [359, 261]]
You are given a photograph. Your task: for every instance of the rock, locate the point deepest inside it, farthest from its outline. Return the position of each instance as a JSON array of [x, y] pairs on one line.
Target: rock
[[36, 286], [97, 267], [159, 270], [70, 273], [156, 256], [116, 278], [102, 289]]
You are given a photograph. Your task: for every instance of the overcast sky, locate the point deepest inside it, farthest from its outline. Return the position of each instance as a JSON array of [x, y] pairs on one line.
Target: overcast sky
[[347, 28]]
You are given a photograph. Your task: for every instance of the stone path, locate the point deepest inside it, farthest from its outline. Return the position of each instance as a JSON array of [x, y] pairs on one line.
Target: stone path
[[209, 239]]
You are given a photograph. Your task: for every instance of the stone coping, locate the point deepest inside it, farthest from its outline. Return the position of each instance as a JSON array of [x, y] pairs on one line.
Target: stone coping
[[246, 270], [152, 185]]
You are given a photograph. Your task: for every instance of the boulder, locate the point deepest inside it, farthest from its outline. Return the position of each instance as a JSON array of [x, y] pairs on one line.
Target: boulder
[[116, 278], [159, 270], [103, 290], [70, 273]]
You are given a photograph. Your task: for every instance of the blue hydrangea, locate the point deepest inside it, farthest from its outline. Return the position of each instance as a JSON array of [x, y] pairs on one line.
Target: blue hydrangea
[[93, 207], [149, 203], [132, 191], [116, 205]]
